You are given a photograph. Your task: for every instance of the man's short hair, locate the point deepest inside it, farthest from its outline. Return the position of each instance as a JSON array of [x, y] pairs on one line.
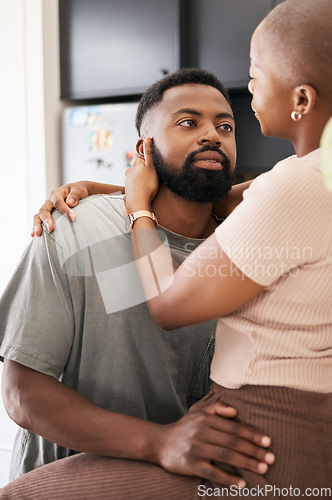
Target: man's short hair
[[154, 94]]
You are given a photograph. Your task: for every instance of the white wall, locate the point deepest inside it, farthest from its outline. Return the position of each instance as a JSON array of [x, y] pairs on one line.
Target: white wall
[[29, 138]]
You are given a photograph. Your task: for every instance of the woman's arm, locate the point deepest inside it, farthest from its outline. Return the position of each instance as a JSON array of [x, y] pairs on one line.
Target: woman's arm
[[65, 198], [207, 284]]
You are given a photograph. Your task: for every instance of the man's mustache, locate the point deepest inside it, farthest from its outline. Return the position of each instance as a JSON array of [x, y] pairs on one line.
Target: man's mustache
[[192, 155]]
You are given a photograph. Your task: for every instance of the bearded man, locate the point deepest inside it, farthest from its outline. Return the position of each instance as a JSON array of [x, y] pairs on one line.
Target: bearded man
[[87, 369]]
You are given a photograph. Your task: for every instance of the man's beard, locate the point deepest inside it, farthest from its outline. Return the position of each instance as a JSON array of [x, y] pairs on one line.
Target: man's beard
[[194, 183]]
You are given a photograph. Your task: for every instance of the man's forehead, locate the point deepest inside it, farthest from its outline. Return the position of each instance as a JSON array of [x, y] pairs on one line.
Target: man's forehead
[[193, 96]]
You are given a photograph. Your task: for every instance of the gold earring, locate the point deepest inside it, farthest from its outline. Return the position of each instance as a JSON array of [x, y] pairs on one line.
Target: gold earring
[[296, 116]]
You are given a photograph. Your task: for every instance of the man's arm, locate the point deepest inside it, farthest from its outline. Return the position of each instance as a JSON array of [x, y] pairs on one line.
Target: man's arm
[[45, 406]]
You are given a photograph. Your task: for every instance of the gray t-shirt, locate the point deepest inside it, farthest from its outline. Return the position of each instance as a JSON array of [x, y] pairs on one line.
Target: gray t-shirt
[[75, 310]]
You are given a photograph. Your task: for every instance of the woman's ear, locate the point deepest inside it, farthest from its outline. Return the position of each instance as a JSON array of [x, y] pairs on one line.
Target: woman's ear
[[139, 148], [304, 99]]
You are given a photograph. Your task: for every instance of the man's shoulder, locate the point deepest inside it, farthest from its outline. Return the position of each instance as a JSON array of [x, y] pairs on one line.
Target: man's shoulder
[[97, 232], [98, 204], [93, 211]]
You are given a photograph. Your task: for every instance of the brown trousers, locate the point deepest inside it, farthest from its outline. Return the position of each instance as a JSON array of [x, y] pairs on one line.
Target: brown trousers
[[299, 423]]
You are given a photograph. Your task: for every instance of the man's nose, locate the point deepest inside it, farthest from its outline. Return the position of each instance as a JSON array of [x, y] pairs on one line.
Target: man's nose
[[210, 136]]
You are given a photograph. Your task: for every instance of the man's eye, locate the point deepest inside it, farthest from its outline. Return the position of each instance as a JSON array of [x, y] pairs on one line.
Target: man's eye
[[187, 123], [227, 127]]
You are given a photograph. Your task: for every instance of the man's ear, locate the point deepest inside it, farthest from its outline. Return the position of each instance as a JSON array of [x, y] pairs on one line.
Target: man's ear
[[139, 148], [304, 99]]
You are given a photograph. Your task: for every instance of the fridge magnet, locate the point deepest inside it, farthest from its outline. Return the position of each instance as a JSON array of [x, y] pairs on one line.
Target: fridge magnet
[[93, 141], [94, 115], [78, 117], [105, 140], [101, 140]]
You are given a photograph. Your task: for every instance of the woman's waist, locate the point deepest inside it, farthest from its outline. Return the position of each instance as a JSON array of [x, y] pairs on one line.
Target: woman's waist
[[257, 356]]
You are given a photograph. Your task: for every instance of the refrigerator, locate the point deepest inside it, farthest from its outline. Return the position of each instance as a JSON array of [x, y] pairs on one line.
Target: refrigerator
[[98, 142]]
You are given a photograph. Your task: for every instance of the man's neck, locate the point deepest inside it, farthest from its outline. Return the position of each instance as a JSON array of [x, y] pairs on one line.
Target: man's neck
[[181, 216]]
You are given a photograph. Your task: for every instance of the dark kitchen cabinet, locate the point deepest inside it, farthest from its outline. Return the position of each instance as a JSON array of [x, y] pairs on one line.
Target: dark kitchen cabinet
[[255, 152], [112, 50], [111, 47], [220, 33]]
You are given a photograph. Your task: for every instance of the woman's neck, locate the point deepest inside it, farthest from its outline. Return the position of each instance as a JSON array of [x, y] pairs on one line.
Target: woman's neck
[[310, 132]]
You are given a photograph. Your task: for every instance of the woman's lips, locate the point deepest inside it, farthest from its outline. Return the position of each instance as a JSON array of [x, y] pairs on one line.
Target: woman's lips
[[210, 160], [256, 115]]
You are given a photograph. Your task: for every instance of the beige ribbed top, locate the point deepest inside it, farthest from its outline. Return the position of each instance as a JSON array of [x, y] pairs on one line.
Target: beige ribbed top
[[280, 236]]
